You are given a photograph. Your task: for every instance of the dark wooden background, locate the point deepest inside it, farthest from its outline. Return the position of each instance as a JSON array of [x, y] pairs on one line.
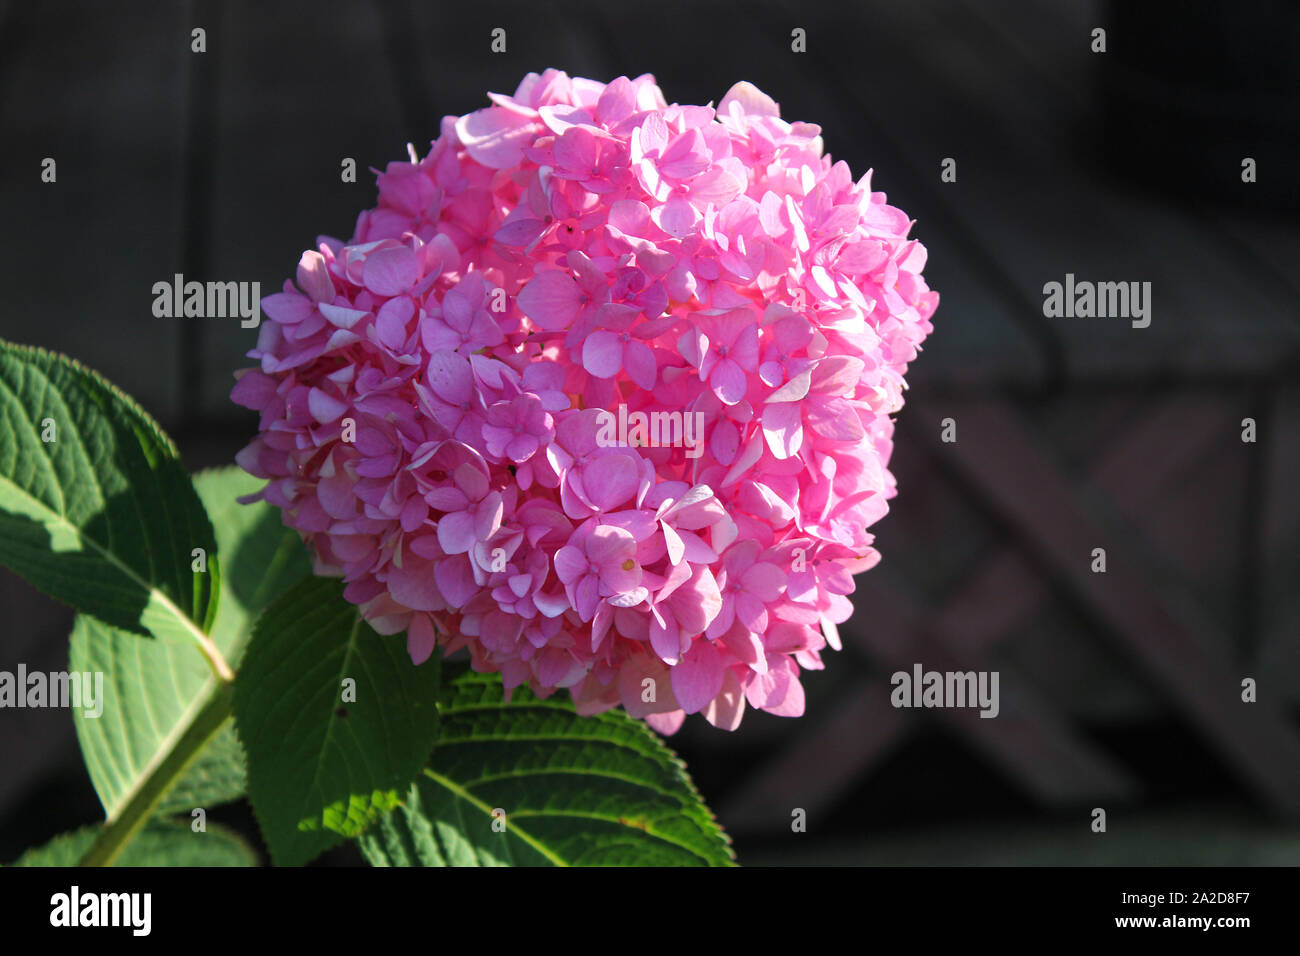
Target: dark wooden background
[[1118, 690]]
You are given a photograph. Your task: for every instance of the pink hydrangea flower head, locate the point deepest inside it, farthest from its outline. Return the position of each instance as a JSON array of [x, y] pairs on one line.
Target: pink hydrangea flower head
[[600, 393]]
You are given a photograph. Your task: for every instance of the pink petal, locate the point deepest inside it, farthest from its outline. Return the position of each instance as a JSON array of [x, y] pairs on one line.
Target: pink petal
[[521, 448], [341, 317], [456, 532], [472, 479], [488, 519], [666, 640], [520, 232], [602, 354], [570, 563], [783, 428], [554, 665], [728, 381], [617, 101], [666, 724], [794, 390], [698, 677], [314, 278], [254, 390], [391, 320], [792, 705], [834, 418], [725, 442], [287, 308], [390, 271], [726, 617], [419, 639], [336, 497], [750, 99], [728, 707], [764, 581], [455, 579], [413, 586], [639, 360], [414, 513], [325, 408], [446, 499], [677, 217], [576, 150], [751, 612], [450, 377], [551, 299], [495, 137], [586, 596], [697, 603], [748, 648], [673, 541], [745, 349], [610, 481], [716, 186]]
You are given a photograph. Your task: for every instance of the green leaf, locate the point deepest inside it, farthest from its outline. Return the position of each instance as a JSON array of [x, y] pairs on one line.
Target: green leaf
[[160, 843], [95, 507], [217, 776], [598, 790], [260, 557], [152, 693], [153, 688], [322, 767]]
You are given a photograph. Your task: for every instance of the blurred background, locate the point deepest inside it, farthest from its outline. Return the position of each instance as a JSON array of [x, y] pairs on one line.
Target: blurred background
[[1118, 690]]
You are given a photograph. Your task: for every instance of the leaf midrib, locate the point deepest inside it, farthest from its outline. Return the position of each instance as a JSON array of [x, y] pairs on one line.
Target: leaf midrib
[[462, 794], [536, 843], [307, 803], [577, 772], [164, 747]]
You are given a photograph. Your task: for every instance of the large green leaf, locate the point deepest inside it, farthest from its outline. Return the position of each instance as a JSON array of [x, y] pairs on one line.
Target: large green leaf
[[321, 766], [160, 843], [95, 507], [154, 688], [530, 782], [260, 557]]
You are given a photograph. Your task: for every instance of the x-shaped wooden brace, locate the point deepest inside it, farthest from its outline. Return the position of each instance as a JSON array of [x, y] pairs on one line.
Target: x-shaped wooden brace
[[1169, 639]]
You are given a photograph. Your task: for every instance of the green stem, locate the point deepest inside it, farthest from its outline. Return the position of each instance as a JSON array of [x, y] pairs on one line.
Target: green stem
[[135, 813]]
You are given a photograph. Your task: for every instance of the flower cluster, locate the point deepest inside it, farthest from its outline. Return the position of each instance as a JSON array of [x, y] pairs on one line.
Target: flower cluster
[[434, 395]]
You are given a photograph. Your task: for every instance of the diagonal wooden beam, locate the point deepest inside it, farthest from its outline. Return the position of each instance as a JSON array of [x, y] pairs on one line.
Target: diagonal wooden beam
[[1163, 630], [1002, 594], [1029, 739], [1006, 591]]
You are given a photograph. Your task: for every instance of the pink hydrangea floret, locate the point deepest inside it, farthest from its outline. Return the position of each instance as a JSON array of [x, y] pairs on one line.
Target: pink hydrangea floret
[[450, 400]]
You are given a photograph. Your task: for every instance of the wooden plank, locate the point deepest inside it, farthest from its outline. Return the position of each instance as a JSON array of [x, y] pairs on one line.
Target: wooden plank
[[1004, 592], [1028, 739], [1164, 634], [1000, 596]]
